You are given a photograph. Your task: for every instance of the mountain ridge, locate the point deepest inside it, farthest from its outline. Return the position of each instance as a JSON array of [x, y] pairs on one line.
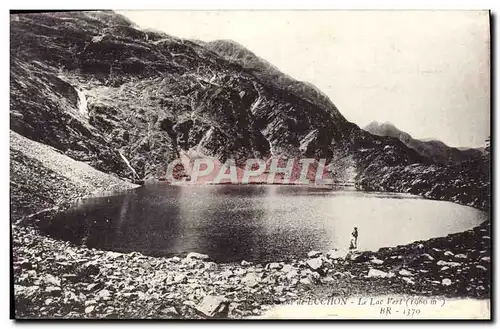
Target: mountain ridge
[[432, 148]]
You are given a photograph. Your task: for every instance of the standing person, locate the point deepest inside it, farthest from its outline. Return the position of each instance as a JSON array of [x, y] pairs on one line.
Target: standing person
[[355, 236]]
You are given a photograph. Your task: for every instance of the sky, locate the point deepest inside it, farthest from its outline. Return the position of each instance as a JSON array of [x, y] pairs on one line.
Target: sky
[[427, 72]]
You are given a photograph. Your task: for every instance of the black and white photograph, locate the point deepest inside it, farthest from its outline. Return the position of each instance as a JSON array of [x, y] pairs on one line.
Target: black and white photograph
[[250, 164]]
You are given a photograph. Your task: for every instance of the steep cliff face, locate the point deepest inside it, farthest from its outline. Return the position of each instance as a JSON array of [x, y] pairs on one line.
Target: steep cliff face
[[148, 96], [128, 102]]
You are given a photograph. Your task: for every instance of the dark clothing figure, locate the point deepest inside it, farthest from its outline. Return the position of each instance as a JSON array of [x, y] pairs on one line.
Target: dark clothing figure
[[355, 238]]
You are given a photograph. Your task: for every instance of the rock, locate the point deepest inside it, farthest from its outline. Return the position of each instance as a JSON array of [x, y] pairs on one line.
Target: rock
[[427, 257], [461, 256], [305, 281], [210, 266], [51, 280], [227, 273], [240, 272], [376, 261], [446, 282], [189, 303], [485, 259], [90, 302], [481, 267], [315, 276], [443, 263], [357, 257], [315, 264], [286, 268], [327, 279], [180, 278], [292, 274], [405, 272], [444, 268], [373, 273], [251, 280], [54, 291], [104, 294], [198, 256], [88, 270], [113, 255], [274, 266], [174, 259], [336, 254], [170, 312], [408, 280], [245, 263], [91, 286], [89, 309], [313, 254], [449, 253], [214, 306], [146, 265]]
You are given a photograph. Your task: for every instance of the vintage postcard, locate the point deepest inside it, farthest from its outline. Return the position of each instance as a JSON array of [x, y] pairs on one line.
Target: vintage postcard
[[250, 164]]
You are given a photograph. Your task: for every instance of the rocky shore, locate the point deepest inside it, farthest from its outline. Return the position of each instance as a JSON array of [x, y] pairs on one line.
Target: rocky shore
[[54, 279]]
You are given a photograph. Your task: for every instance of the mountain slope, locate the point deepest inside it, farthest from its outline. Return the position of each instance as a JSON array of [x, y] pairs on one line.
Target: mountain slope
[[433, 149], [128, 102]]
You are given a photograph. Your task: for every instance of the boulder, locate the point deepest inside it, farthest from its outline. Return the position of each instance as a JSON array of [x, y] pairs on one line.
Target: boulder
[[210, 266], [54, 291], [313, 254], [405, 272], [179, 278], [481, 267], [373, 273], [336, 254], [170, 312], [113, 255], [51, 280], [485, 259], [444, 263], [357, 257], [315, 276], [251, 280], [408, 280], [305, 281], [103, 294], [214, 306], [240, 272], [427, 257], [376, 261], [245, 263], [461, 256], [89, 309], [315, 264], [449, 253], [446, 282], [274, 266], [197, 256]]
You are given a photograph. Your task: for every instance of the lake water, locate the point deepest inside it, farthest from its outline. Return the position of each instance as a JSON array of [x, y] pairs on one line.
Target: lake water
[[255, 222]]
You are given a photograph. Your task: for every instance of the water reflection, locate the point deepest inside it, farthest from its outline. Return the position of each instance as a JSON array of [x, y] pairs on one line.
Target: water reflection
[[257, 222]]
